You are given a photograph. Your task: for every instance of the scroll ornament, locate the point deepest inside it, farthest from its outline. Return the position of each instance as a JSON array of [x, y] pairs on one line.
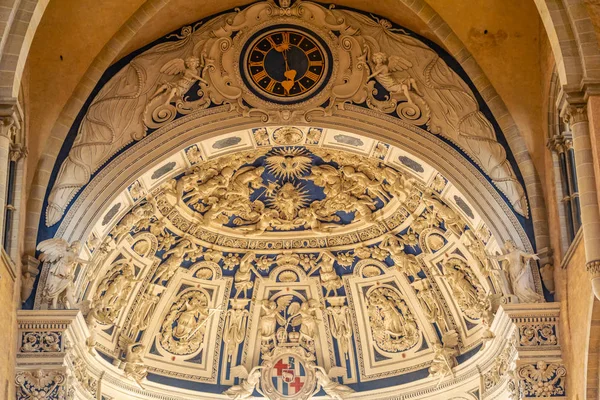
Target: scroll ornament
[[376, 66]]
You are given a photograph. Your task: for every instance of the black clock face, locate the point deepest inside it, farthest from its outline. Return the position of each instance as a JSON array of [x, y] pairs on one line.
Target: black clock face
[[286, 64]]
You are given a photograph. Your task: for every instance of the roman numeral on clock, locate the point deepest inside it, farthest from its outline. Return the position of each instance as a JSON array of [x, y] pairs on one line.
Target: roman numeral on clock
[[260, 75], [271, 85], [311, 75]]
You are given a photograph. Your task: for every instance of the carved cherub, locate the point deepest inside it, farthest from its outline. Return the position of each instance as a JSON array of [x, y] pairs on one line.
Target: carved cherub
[[61, 258], [190, 71], [143, 211], [390, 73], [329, 277]]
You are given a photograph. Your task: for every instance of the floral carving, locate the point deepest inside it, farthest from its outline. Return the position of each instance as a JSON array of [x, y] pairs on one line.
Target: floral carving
[[538, 335], [42, 342], [542, 379], [41, 385]]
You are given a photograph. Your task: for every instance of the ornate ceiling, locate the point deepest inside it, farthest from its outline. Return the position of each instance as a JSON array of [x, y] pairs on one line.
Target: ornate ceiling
[[240, 236]]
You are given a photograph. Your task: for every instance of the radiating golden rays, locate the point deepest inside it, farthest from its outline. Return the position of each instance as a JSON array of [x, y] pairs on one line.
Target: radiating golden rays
[[288, 163]]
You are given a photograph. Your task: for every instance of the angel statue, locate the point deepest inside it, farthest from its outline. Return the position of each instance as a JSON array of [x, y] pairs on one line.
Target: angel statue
[[189, 69], [389, 72], [332, 388], [61, 259], [134, 363], [249, 382], [518, 265]]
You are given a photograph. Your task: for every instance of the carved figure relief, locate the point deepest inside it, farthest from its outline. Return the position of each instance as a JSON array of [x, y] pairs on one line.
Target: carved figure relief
[[134, 367], [466, 288], [392, 323], [197, 70], [182, 331], [113, 291]]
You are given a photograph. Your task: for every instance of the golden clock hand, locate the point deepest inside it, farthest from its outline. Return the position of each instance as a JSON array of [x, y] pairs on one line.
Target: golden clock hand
[[287, 67]]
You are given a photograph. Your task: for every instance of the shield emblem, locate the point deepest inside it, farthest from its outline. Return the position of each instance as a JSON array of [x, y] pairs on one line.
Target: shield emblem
[[288, 375]]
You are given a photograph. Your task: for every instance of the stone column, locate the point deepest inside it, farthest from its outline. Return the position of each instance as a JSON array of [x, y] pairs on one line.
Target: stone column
[[6, 138], [588, 197], [51, 363]]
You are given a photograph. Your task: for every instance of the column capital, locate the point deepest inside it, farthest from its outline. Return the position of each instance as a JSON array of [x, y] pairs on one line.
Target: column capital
[[576, 113], [51, 360], [593, 267], [17, 152], [539, 371], [560, 142]]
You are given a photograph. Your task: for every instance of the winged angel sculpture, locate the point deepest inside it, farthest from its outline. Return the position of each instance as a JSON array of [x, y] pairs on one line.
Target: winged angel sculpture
[[249, 382], [326, 381], [154, 87], [139, 97], [435, 95], [61, 259]]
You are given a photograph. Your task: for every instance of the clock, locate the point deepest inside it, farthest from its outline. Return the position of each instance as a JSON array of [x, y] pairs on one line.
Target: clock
[[286, 64]]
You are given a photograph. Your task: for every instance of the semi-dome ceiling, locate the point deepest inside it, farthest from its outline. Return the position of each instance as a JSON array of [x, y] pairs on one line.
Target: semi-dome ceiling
[[287, 200], [301, 246]]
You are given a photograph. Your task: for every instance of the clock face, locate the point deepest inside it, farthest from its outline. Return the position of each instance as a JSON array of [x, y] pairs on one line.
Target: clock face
[[286, 65]]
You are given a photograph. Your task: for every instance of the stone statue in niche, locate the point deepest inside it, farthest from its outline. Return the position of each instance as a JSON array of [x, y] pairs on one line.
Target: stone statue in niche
[[518, 265], [61, 259]]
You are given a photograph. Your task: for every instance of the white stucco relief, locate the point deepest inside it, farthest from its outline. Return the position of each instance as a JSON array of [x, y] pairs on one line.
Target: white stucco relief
[[149, 91]]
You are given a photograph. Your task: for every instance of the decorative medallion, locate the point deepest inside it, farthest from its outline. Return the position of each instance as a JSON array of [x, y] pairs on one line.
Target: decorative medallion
[[286, 64]]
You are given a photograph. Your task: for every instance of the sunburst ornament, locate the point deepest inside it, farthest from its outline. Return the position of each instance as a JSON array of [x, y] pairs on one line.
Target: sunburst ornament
[[288, 200], [289, 162]]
